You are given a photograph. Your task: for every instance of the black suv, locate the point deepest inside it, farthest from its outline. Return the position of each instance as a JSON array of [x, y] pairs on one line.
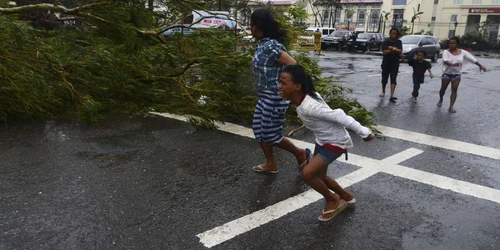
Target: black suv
[[337, 39], [366, 42]]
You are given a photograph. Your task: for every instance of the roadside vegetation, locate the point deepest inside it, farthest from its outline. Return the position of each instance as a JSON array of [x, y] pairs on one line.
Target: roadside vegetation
[[112, 57]]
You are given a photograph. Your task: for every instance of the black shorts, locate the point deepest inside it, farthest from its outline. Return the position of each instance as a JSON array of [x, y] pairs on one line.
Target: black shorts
[[390, 70]]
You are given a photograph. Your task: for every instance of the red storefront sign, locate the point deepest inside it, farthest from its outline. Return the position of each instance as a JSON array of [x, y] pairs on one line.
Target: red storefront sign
[[484, 10]]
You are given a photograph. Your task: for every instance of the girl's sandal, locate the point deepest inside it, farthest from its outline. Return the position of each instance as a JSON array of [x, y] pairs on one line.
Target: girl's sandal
[[351, 203], [260, 169], [328, 215]]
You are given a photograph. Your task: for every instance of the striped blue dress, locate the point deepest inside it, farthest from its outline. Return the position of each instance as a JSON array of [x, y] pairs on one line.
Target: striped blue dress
[[269, 115]]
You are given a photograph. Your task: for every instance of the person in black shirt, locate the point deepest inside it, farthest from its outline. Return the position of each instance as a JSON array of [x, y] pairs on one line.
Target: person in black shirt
[[392, 49], [420, 66]]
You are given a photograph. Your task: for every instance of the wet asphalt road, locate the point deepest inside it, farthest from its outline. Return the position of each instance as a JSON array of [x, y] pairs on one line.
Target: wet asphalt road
[[156, 183], [477, 105]]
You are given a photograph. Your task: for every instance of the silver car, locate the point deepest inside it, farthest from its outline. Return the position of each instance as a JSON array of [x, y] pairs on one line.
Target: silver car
[[428, 44]]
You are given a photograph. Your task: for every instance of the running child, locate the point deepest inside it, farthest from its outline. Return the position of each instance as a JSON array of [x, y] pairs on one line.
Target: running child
[[420, 66], [332, 139]]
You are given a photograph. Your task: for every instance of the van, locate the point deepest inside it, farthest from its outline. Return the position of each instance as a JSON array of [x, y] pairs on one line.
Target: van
[[213, 19], [325, 31]]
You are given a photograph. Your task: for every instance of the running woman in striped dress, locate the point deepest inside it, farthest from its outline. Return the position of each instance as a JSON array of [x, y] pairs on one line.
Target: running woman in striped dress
[[268, 62]]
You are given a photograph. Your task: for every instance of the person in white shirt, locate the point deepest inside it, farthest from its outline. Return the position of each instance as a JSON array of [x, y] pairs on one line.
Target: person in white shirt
[[453, 60], [332, 139]]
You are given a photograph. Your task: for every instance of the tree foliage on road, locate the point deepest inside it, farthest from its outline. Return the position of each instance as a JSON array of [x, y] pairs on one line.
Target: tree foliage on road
[[117, 60]]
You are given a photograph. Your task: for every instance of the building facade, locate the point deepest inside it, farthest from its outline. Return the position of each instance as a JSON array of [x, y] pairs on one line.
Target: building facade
[[380, 15], [399, 13], [360, 15], [355, 15], [459, 17], [441, 18]]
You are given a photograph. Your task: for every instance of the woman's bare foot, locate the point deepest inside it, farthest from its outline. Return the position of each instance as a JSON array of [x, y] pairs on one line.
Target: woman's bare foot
[[303, 158], [382, 94], [331, 205]]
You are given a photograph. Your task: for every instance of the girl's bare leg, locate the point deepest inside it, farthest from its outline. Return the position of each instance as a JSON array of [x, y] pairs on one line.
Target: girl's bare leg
[[453, 96], [311, 174], [442, 91], [335, 187]]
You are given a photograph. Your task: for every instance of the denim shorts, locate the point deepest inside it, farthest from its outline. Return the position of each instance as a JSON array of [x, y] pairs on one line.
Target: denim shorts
[[451, 77], [326, 154]]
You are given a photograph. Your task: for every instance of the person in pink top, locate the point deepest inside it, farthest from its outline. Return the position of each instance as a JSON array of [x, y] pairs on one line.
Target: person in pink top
[[453, 60]]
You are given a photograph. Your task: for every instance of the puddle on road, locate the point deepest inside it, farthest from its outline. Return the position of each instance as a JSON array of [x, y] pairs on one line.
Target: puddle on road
[[350, 66]]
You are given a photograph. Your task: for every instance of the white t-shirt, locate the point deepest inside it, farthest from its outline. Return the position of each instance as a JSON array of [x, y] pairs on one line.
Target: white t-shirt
[[463, 58], [329, 125]]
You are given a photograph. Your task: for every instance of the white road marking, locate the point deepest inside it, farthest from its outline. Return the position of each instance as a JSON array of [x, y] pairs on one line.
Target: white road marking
[[435, 141], [402, 156], [246, 223], [444, 182], [390, 165], [401, 134]]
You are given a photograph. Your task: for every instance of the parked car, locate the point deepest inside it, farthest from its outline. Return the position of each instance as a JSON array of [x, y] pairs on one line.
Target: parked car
[[325, 31], [367, 42], [245, 33], [176, 29], [413, 43], [337, 39]]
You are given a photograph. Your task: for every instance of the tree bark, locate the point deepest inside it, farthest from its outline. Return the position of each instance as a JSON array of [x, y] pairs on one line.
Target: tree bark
[[46, 6], [77, 11]]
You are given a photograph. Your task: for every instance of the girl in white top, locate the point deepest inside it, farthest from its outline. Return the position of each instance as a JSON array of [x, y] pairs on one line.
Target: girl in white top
[[453, 60], [332, 138]]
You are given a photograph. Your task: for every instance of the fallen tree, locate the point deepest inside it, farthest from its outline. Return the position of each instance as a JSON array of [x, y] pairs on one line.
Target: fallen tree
[[118, 60]]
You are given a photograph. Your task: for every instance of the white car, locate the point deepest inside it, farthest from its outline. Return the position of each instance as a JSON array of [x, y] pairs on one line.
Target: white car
[[325, 31]]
